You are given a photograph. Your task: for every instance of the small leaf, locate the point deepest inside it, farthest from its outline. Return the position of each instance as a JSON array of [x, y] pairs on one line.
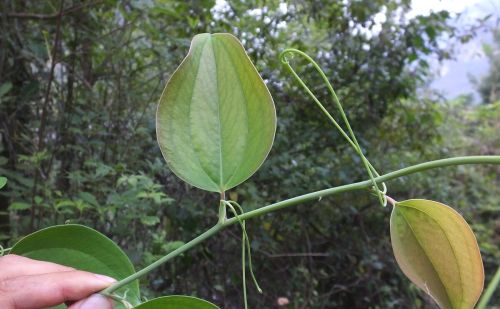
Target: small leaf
[[216, 118], [89, 198], [177, 302], [83, 248], [38, 200], [150, 220], [65, 203], [172, 245], [19, 206], [3, 182], [5, 88], [437, 251]]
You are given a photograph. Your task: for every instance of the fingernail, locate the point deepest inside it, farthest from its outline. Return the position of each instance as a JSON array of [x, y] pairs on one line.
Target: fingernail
[[96, 301], [105, 278]]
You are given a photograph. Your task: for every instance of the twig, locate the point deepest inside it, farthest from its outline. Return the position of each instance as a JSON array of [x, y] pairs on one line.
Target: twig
[[41, 131], [43, 117], [23, 15]]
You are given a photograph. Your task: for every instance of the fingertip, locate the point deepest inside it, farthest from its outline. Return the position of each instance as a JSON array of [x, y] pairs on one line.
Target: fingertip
[[95, 301], [51, 289], [105, 278]]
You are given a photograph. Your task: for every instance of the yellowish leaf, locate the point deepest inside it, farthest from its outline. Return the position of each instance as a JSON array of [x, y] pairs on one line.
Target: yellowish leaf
[[437, 251]]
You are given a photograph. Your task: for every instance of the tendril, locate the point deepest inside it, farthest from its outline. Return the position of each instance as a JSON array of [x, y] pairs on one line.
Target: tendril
[[372, 172], [245, 249], [4, 251], [120, 299]]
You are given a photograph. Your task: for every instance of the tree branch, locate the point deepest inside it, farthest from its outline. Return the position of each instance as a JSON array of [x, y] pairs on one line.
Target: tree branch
[[53, 62], [72, 9]]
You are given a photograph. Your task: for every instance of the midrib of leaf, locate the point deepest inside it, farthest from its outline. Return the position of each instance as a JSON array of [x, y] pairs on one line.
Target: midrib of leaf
[[426, 256], [223, 47], [219, 122], [452, 251], [179, 74], [189, 117]]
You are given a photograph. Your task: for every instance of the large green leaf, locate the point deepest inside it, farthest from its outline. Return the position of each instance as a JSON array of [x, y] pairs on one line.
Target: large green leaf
[[437, 250], [177, 302], [83, 248], [3, 182], [216, 118]]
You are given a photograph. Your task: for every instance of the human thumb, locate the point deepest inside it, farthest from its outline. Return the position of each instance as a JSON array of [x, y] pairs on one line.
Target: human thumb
[[95, 301]]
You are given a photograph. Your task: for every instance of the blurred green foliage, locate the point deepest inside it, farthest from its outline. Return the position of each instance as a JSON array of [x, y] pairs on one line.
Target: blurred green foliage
[[489, 86], [78, 93]]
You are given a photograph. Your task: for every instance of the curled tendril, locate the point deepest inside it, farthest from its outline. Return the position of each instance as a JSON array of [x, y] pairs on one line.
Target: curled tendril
[[372, 172], [285, 55], [245, 249]]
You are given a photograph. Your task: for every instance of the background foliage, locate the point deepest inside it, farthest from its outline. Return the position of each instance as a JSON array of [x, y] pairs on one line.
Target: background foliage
[[79, 84]]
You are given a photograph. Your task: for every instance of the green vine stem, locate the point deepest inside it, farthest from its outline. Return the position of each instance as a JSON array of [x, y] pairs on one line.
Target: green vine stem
[[298, 200], [490, 290]]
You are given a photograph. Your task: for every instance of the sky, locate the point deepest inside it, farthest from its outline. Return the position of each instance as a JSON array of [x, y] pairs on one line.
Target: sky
[[420, 7], [453, 77]]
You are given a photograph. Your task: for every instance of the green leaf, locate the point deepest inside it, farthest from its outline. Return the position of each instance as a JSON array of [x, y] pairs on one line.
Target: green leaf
[[83, 248], [65, 203], [437, 251], [89, 198], [38, 200], [216, 118], [19, 206], [172, 245], [3, 182], [177, 302], [5, 88], [150, 220]]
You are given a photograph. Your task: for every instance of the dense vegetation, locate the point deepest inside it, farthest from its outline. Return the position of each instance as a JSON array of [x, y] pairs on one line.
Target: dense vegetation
[[79, 84]]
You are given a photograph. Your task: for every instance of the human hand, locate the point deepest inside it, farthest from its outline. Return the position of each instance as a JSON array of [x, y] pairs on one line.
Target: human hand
[[32, 284]]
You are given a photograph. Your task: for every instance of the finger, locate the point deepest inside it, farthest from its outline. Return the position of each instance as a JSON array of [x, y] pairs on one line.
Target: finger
[[96, 301], [15, 266], [45, 290]]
